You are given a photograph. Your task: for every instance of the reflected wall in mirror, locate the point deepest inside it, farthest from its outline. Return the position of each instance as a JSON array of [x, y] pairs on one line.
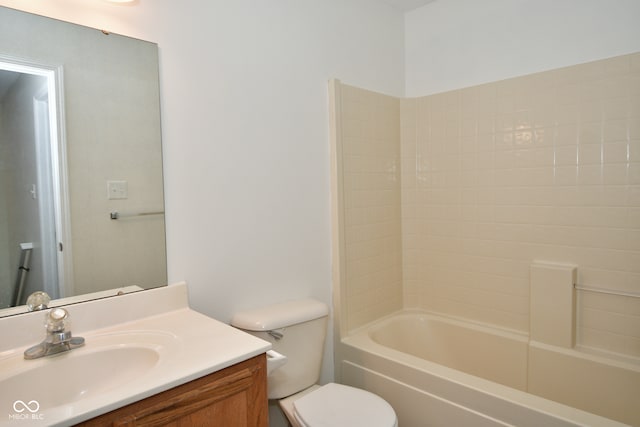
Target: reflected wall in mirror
[[79, 141]]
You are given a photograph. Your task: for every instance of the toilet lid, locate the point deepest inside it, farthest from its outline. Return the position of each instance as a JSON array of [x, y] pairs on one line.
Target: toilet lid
[[337, 405]]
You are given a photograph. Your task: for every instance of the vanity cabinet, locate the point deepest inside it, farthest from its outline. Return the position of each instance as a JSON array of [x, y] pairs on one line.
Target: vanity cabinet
[[232, 397]]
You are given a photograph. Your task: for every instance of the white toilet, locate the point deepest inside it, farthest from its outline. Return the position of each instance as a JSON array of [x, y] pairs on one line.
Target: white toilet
[[297, 330]]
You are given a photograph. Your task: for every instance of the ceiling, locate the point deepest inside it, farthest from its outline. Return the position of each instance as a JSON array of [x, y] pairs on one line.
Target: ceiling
[[407, 5]]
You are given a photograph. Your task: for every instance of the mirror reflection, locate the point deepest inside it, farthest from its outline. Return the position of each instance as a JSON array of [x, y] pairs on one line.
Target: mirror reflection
[[81, 196]]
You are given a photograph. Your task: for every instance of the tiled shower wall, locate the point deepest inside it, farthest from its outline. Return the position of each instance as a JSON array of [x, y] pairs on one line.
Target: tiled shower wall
[[487, 179], [370, 140], [540, 167]]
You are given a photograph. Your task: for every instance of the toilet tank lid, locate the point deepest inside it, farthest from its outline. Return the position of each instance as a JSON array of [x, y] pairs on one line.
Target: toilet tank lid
[[280, 315]]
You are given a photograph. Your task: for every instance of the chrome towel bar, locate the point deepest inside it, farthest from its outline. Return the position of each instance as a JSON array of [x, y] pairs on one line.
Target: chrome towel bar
[[118, 215], [607, 291]]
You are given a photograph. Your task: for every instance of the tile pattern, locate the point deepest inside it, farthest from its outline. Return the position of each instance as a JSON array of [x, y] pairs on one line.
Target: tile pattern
[[371, 187], [540, 167]]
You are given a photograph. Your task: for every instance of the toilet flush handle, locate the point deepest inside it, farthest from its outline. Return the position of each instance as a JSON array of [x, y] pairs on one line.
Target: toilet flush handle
[[277, 334]]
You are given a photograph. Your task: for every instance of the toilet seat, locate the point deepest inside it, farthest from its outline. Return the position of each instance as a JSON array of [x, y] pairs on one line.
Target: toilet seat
[[338, 405]]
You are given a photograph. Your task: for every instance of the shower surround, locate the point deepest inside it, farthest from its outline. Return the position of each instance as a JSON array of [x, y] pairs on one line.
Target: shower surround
[[448, 198], [442, 203], [545, 166]]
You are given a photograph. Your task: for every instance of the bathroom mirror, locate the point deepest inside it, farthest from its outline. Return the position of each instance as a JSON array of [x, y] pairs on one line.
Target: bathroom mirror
[[81, 195]]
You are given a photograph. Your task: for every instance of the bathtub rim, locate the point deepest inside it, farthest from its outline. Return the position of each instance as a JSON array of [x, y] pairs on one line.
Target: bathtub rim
[[619, 360], [457, 321], [359, 340]]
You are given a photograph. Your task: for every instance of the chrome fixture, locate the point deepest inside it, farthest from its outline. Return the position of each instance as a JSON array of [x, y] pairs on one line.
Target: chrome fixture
[[118, 215], [277, 334], [23, 270], [58, 339], [602, 290]]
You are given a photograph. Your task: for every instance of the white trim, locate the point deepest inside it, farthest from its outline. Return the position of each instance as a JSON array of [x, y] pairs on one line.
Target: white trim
[[45, 191], [61, 189]]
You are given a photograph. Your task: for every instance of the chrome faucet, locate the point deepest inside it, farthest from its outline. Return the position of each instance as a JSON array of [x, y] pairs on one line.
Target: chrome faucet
[[58, 339]]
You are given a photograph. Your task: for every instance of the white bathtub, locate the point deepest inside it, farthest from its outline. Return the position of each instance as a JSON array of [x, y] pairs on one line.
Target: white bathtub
[[437, 371]]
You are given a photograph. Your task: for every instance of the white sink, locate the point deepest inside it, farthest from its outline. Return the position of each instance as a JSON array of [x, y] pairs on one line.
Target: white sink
[[136, 345], [105, 363]]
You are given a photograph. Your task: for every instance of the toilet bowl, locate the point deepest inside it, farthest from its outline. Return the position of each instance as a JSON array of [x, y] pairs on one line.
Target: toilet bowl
[[297, 331]]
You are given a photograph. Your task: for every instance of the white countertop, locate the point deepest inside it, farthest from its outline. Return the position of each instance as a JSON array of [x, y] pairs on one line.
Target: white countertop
[[190, 345]]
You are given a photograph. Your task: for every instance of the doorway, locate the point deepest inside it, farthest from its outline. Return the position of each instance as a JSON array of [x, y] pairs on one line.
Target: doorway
[[32, 193]]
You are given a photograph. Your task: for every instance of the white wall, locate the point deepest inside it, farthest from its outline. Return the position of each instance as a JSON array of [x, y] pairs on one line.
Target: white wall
[[451, 44], [245, 132]]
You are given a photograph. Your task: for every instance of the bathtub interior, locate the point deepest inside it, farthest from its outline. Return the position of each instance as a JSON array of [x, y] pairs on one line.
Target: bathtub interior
[[499, 356], [442, 361]]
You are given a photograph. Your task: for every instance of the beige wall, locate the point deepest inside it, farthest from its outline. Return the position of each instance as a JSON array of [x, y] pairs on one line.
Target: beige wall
[[540, 167], [370, 162]]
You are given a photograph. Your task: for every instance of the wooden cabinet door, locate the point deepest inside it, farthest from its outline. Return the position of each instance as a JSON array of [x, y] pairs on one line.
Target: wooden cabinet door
[[233, 397]]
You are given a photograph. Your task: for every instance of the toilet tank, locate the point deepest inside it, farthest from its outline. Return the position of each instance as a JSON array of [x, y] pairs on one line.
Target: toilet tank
[[296, 329]]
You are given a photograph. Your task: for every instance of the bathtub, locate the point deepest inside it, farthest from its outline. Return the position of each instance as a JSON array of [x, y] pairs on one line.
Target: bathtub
[[438, 371]]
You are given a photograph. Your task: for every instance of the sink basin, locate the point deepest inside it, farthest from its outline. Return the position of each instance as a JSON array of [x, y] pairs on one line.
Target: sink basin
[[105, 363]]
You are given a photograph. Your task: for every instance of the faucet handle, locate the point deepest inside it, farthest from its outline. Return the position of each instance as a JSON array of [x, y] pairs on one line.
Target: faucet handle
[[38, 300], [57, 320]]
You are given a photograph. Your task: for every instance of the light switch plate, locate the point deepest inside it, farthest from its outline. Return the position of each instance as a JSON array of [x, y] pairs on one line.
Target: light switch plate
[[117, 190]]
